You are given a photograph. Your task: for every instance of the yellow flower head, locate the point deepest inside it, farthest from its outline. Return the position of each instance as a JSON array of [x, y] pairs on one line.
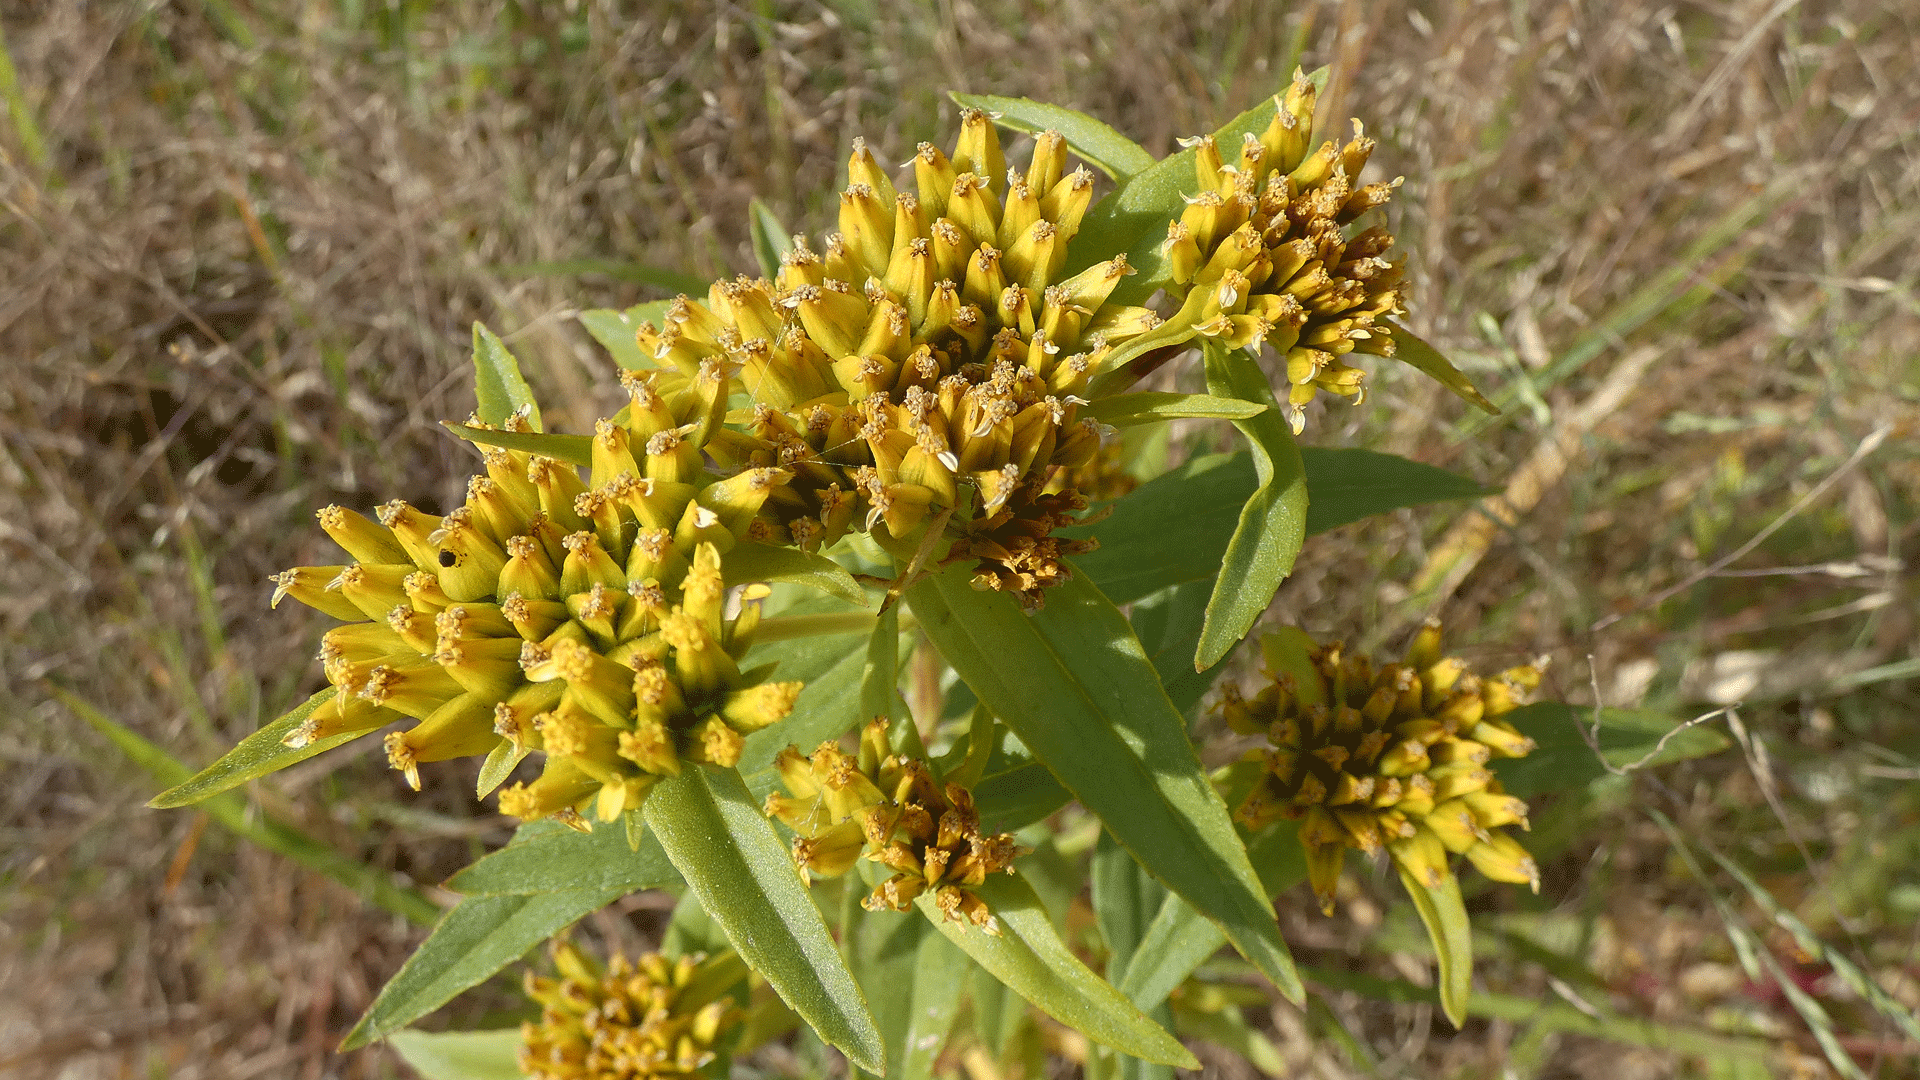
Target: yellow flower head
[[651, 1019], [1265, 249], [890, 808], [581, 617], [1391, 758]]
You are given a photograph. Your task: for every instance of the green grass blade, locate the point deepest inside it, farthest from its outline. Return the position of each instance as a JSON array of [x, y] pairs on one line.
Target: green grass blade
[[771, 239], [460, 1055], [746, 879], [1562, 760], [20, 110], [748, 561], [1843, 969], [1445, 916], [1030, 959], [1272, 525], [546, 858], [255, 756], [1600, 1023], [477, 938], [1153, 406], [1072, 682], [572, 449], [230, 810], [614, 330], [1097, 144], [498, 386]]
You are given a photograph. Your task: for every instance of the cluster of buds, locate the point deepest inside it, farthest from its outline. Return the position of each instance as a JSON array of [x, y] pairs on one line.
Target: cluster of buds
[[579, 617], [892, 809], [1393, 758], [653, 1019], [930, 354], [1263, 249]]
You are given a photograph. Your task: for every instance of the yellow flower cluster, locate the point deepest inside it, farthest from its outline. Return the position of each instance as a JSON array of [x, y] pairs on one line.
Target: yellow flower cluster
[[654, 1019], [1264, 249], [929, 360], [579, 617], [1391, 758], [892, 809]]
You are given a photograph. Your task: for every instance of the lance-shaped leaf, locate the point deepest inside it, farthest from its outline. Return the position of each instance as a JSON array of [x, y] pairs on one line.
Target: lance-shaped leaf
[[1072, 682], [1563, 761], [477, 938], [498, 386], [231, 810], [1445, 915], [936, 998], [1175, 527], [1153, 406], [572, 449], [1273, 523], [1423, 357], [746, 879], [1097, 144], [831, 667], [1017, 797], [748, 561], [771, 240], [614, 330], [256, 755], [545, 858], [1133, 219], [1179, 940], [1029, 957], [461, 1055]]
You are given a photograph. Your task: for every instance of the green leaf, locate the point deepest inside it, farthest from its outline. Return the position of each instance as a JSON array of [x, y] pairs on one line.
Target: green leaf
[[746, 879], [497, 384], [256, 755], [1272, 525], [1445, 915], [1017, 797], [936, 998], [771, 240], [1097, 144], [1168, 624], [1175, 527], [885, 947], [749, 561], [1344, 485], [1125, 899], [1179, 940], [461, 1055], [997, 1012], [549, 858], [481, 935], [1029, 957], [1133, 219], [1562, 760], [232, 812], [831, 667], [1152, 406], [1072, 683], [1425, 358], [880, 675], [572, 449], [619, 269], [691, 930], [614, 330]]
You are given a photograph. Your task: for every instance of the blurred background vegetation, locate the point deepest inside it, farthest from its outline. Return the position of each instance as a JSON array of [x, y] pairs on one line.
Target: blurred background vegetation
[[243, 242]]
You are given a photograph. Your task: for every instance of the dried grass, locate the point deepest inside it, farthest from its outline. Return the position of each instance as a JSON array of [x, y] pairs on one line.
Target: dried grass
[[241, 285]]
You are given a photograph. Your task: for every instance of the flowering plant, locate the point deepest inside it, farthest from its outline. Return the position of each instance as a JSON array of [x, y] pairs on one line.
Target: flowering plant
[[657, 634]]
